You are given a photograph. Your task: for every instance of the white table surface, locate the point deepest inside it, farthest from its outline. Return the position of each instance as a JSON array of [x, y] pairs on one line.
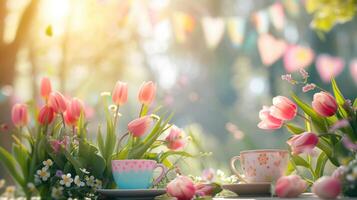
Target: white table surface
[[303, 196]]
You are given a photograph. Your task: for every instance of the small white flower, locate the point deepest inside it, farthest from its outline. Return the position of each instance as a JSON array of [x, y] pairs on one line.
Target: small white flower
[[84, 170], [66, 180], [43, 173], [31, 187], [2, 183], [78, 181], [350, 177], [98, 184], [57, 192], [103, 94], [90, 181], [47, 163], [9, 192]]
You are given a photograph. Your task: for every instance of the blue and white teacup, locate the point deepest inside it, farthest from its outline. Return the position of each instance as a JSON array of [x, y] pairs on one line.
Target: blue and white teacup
[[136, 174]]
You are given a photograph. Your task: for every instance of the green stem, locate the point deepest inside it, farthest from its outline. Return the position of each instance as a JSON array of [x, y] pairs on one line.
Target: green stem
[[141, 110], [303, 117], [63, 122], [116, 117]]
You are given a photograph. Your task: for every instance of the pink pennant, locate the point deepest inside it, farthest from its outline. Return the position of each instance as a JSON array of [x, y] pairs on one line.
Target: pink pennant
[[297, 57], [277, 15], [329, 67], [270, 48], [353, 69]]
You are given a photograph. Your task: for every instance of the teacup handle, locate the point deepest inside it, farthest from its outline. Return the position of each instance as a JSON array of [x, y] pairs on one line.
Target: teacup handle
[[163, 171], [234, 169]]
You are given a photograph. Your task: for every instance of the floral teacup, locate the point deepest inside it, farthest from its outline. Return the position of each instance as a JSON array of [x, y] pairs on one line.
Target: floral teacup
[[136, 174], [266, 165]]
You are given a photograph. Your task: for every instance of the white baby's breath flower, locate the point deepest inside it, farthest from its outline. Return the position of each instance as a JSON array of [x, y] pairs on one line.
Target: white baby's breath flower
[[9, 192], [47, 163], [66, 180], [2, 183], [78, 181], [90, 181], [98, 184], [57, 192], [43, 173], [31, 187], [84, 170]]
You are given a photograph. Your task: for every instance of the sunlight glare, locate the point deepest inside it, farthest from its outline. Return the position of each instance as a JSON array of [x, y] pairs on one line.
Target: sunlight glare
[[55, 11]]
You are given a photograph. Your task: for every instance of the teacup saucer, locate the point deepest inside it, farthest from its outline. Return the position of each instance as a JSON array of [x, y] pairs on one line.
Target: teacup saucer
[[249, 189], [131, 194]]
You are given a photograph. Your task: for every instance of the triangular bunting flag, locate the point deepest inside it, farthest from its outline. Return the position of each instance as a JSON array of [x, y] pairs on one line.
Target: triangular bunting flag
[[184, 24], [213, 29], [236, 28], [353, 70], [261, 21], [329, 67], [277, 15], [270, 49]]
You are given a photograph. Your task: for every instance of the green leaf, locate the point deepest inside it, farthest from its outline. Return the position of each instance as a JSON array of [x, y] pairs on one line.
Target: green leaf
[[355, 103], [339, 98], [290, 168], [299, 161], [327, 148], [49, 31], [318, 121], [294, 129], [320, 165], [171, 153], [22, 157], [100, 142], [89, 158], [10, 163]]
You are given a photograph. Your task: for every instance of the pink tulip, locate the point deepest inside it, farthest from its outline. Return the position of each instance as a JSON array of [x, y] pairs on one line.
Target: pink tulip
[[327, 187], [139, 126], [204, 189], [75, 107], [19, 115], [57, 101], [57, 144], [120, 93], [324, 104], [46, 88], [283, 108], [46, 115], [182, 188], [69, 118], [303, 142], [147, 93], [290, 186], [268, 121], [175, 140]]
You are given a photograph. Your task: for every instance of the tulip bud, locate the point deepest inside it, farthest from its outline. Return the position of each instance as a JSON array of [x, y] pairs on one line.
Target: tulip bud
[[290, 186], [175, 140], [268, 121], [57, 102], [120, 93], [327, 187], [147, 93], [19, 115], [139, 126], [324, 104], [283, 108], [303, 142], [182, 188], [75, 107], [45, 88], [46, 115]]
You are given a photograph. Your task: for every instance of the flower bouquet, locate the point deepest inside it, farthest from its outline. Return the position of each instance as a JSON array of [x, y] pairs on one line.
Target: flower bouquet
[[52, 156], [330, 124]]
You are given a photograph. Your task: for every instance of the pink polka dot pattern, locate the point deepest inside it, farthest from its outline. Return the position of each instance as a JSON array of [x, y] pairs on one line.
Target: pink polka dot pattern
[[133, 165]]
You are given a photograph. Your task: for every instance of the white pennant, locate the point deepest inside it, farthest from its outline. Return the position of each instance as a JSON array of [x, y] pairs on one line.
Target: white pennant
[[213, 29]]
